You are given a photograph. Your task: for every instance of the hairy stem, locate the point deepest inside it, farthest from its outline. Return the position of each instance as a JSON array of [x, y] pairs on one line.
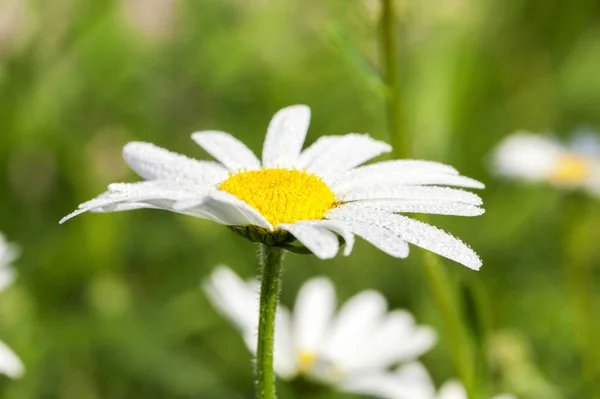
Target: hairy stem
[[271, 260]]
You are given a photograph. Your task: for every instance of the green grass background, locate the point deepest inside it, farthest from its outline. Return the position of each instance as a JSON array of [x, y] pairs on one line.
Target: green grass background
[[109, 306]]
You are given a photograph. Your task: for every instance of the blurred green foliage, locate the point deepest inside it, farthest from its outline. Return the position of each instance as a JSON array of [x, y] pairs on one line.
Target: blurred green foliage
[[109, 306]]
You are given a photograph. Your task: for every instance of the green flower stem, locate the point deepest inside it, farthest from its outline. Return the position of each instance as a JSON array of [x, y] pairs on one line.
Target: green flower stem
[[438, 280], [271, 262], [441, 286], [578, 242], [389, 60]]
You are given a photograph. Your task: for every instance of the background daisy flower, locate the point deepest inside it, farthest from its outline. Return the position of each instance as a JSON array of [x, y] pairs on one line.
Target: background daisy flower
[[344, 349], [311, 196], [533, 157], [411, 381], [10, 364]]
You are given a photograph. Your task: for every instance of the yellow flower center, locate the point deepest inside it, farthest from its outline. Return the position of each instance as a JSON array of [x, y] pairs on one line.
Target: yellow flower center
[[282, 195], [306, 360], [571, 169]]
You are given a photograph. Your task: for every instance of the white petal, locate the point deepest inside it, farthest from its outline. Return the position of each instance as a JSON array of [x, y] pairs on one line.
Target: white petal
[[320, 241], [397, 339], [528, 156], [423, 206], [155, 163], [452, 390], [233, 297], [396, 167], [9, 252], [285, 137], [337, 227], [411, 381], [411, 231], [284, 357], [380, 237], [154, 193], [227, 149], [160, 189], [585, 142], [331, 155], [226, 209], [10, 364], [352, 328], [314, 308], [103, 203], [415, 374], [410, 193], [7, 276], [441, 179]]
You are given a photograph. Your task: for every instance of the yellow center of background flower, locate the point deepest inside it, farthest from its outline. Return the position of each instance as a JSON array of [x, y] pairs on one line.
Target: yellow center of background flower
[[306, 360], [282, 195], [571, 169]]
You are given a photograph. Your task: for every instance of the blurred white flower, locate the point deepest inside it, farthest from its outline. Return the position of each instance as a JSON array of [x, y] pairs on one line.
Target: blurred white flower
[[341, 348], [10, 364], [535, 157], [412, 381], [311, 196]]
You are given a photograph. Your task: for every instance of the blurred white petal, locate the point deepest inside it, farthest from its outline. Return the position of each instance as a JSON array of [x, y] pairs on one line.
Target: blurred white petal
[[410, 382], [7, 276], [397, 339], [237, 301], [452, 390], [585, 142], [9, 252], [284, 355], [352, 329], [234, 298], [10, 364], [527, 156], [313, 311]]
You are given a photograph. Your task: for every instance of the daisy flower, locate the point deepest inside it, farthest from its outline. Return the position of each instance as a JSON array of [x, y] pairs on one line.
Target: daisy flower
[[340, 348], [535, 157], [10, 364], [312, 196], [411, 381]]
